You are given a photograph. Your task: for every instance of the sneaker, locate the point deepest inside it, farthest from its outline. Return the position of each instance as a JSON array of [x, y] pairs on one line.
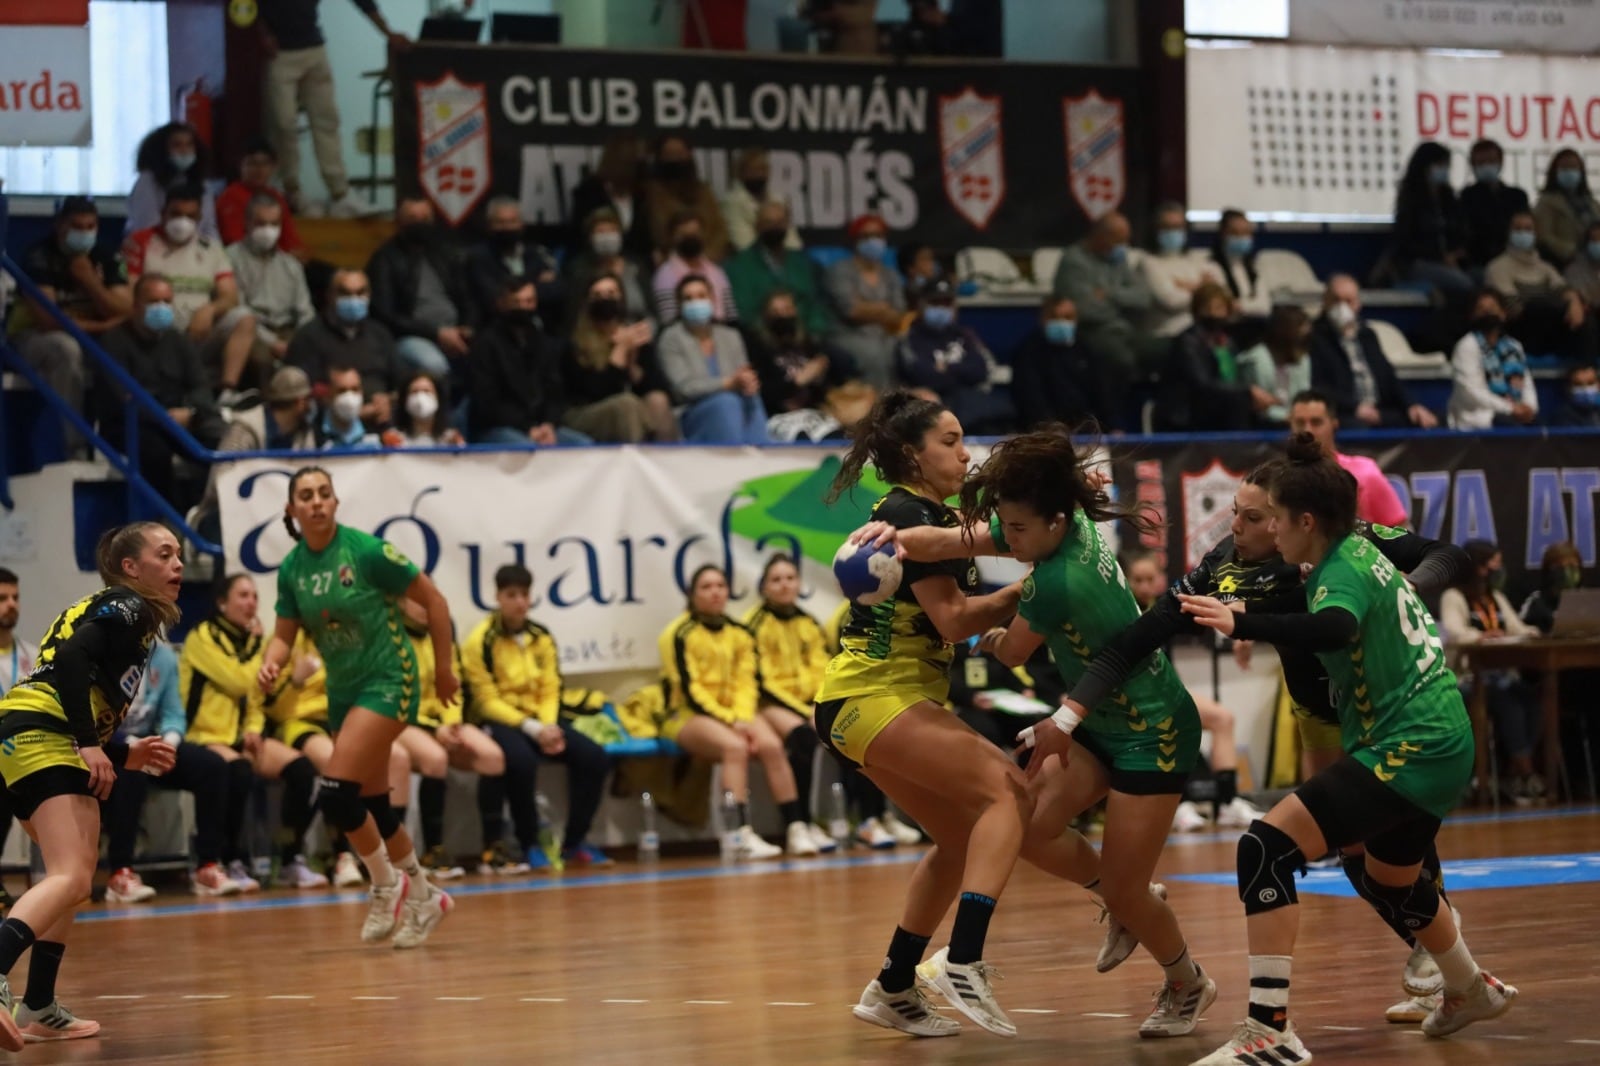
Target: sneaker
[[238, 399], [10, 1035], [212, 880], [351, 205], [1487, 998], [126, 886], [502, 861], [1188, 819], [908, 1011], [1412, 1010], [872, 833], [1238, 813], [383, 909], [800, 840], [239, 874], [539, 860], [54, 1022], [966, 988], [1179, 1006], [297, 874], [586, 854], [1535, 788], [1119, 943], [439, 866], [902, 833], [749, 845], [419, 917], [1421, 978], [347, 872], [1250, 1043], [821, 840]]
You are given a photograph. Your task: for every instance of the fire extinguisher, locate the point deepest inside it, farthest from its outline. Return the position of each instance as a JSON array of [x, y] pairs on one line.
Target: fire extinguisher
[[194, 103]]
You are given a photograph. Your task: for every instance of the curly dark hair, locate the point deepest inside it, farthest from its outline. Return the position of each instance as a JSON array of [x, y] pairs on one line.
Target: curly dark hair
[[153, 155], [888, 438]]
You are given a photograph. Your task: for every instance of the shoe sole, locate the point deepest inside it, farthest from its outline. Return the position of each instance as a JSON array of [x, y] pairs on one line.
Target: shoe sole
[[445, 906], [893, 1021], [1207, 997], [10, 1036], [1508, 997], [117, 897], [1405, 1017], [1413, 987], [941, 984], [52, 1036]]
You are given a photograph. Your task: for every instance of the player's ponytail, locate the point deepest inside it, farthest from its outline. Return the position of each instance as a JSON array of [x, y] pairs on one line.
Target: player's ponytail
[[888, 437], [127, 542], [1307, 481], [1047, 473]]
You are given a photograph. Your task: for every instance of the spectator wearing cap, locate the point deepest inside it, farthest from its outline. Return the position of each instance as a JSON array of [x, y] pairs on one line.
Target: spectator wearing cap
[[256, 169], [510, 253], [344, 335], [944, 361], [770, 264], [690, 256], [1113, 302], [1488, 204], [869, 296], [290, 409], [272, 283], [1053, 376]]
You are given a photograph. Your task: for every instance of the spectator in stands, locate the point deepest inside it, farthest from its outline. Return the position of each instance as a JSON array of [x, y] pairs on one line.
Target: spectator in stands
[[1053, 377], [615, 186], [290, 422], [845, 27], [1566, 208], [341, 425], [422, 419], [1201, 387], [256, 169], [796, 372], [709, 374], [171, 155], [690, 256], [1278, 364], [743, 201], [943, 361], [673, 189], [768, 264], [508, 253], [604, 254], [515, 375], [272, 284], [1430, 231], [870, 298], [1583, 273], [1547, 314], [919, 264], [344, 335], [1580, 405], [1560, 570], [90, 285], [1173, 274], [1491, 384], [609, 372], [1113, 301], [1233, 252], [1348, 364], [513, 672], [1488, 204], [17, 656], [205, 301], [420, 293], [1376, 500]]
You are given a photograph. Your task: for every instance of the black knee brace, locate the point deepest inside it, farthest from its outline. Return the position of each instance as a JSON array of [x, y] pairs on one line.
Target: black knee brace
[[340, 803], [1411, 907], [1268, 859], [1355, 871], [383, 814]]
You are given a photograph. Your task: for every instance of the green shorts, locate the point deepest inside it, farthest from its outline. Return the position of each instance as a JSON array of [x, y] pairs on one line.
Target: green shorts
[[1156, 761], [394, 697], [1430, 772]]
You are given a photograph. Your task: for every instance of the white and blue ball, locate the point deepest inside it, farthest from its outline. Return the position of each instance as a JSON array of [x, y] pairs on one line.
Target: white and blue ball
[[867, 575]]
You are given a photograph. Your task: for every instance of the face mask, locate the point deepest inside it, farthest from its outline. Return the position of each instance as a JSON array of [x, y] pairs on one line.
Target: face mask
[[1487, 323], [1570, 576], [1342, 315], [80, 241], [607, 244], [265, 238], [415, 234], [505, 241], [772, 239], [1488, 173], [697, 312], [1238, 247], [182, 161], [350, 309], [689, 247], [1117, 255], [1522, 240], [1587, 396], [605, 309], [1212, 323], [1439, 174], [1062, 331], [783, 325], [521, 317], [673, 169], [1569, 178], [180, 229], [873, 248], [1497, 580], [347, 406], [938, 317], [158, 317], [422, 405], [1594, 250], [1172, 241], [756, 187]]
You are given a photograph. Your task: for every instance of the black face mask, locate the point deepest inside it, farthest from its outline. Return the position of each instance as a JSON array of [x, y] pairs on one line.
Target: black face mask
[[689, 247], [605, 309], [674, 169], [756, 187], [772, 239], [1488, 323], [523, 319], [415, 234], [783, 326], [505, 241], [1212, 323]]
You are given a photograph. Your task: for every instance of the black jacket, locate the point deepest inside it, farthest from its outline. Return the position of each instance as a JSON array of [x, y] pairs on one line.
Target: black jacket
[[1330, 373], [516, 378], [486, 272], [1487, 211], [169, 368], [582, 386], [1052, 383], [1194, 395], [1426, 228], [393, 272], [590, 196]]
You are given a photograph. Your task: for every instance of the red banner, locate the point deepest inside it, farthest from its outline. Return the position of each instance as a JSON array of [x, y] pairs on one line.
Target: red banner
[[44, 12]]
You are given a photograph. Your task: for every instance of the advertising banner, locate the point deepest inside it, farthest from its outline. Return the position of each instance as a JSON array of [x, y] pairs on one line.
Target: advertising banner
[[1505, 25]]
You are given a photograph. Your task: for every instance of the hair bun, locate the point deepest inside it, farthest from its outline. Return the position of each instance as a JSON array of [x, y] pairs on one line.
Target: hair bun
[[1303, 448]]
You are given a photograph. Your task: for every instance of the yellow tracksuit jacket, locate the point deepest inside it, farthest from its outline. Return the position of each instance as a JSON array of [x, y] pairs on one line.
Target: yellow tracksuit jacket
[[217, 678], [512, 679], [710, 670], [791, 654]]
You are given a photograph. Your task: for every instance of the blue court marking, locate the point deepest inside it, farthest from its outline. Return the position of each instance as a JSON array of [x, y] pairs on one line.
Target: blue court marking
[[1465, 875]]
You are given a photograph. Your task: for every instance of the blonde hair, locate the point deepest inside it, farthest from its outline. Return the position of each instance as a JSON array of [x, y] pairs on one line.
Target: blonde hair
[[590, 347], [128, 542]]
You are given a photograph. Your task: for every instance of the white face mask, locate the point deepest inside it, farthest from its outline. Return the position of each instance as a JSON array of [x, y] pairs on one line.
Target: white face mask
[[1342, 315], [347, 406], [180, 229], [422, 405], [265, 238]]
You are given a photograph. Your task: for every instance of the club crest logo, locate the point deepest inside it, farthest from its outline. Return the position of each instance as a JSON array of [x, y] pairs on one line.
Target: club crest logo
[[972, 155], [453, 145], [1097, 168], [347, 576], [1207, 511]]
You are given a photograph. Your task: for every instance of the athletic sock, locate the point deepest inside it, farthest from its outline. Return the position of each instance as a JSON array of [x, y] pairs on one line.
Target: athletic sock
[[15, 938], [971, 927], [744, 816], [1227, 786], [43, 965], [380, 869], [417, 887], [1182, 970], [899, 971], [430, 807], [1269, 990], [791, 812], [1457, 966]]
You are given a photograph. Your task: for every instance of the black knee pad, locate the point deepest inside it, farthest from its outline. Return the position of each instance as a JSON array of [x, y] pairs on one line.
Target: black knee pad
[[383, 814], [1268, 859], [801, 743], [1412, 906], [340, 803]]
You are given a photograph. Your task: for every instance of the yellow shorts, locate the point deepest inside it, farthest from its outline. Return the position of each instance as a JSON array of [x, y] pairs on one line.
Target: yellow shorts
[[297, 731], [673, 724], [849, 725], [1316, 733], [38, 764]]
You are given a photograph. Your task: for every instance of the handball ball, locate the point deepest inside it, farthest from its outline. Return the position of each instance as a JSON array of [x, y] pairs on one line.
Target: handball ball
[[867, 575]]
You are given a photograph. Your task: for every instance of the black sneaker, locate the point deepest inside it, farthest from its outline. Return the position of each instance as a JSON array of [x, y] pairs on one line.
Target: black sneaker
[[502, 861]]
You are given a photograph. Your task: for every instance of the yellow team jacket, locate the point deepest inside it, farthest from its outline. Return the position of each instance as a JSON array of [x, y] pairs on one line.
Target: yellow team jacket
[[710, 671], [512, 676], [431, 712], [294, 703], [217, 678], [791, 654]]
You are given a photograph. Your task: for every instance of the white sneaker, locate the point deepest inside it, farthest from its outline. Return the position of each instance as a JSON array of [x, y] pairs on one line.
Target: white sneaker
[[420, 917], [1412, 1010], [351, 205], [383, 909], [299, 875], [1238, 813], [1188, 819], [347, 871], [212, 880], [872, 833], [908, 1011], [1487, 998], [1119, 943], [1421, 978], [239, 874], [749, 845], [819, 836], [51, 1023], [1250, 1043], [1179, 1006], [800, 840], [126, 886], [967, 989], [902, 833]]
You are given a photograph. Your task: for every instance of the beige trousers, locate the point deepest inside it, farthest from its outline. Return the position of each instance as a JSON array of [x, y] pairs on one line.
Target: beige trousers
[[302, 80]]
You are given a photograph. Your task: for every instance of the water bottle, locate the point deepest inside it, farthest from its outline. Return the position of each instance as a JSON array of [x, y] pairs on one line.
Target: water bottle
[[730, 828], [649, 839], [549, 840], [839, 817]]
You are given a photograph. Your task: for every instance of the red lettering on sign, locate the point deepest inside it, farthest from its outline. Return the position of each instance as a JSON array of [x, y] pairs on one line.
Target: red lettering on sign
[[1427, 115], [1456, 116], [42, 94]]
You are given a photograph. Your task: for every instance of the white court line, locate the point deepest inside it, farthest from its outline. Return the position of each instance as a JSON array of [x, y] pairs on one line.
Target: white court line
[[1345, 1028], [785, 1003], [1594, 1042], [1025, 1010], [624, 1001], [713, 1002], [1503, 1036], [214, 995], [291, 997], [119, 997], [540, 999], [1104, 1014], [374, 999], [459, 999]]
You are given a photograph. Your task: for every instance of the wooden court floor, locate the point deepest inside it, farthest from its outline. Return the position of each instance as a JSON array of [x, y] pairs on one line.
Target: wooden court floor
[[695, 963]]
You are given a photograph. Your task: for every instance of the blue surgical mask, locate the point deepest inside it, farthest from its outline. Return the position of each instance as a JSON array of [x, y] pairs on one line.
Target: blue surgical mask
[[1117, 255], [159, 317], [697, 312], [1172, 241], [1062, 331], [1586, 396], [79, 241], [1569, 178], [1487, 172], [1594, 251], [1522, 240], [351, 309], [182, 161], [873, 248], [1439, 174], [938, 316], [1237, 247]]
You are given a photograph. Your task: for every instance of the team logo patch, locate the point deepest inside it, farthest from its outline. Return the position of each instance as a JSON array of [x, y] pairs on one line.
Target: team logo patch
[[394, 555], [453, 145], [1321, 594], [972, 155], [1027, 588], [1206, 509], [242, 13], [347, 575], [1097, 168]]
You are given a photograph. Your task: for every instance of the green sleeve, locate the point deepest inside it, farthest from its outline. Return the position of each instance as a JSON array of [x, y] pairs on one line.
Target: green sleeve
[[387, 569], [998, 533], [1044, 599], [1340, 586], [287, 606]]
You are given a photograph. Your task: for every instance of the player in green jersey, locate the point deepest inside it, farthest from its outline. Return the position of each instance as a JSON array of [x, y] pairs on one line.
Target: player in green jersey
[[344, 587], [1408, 746]]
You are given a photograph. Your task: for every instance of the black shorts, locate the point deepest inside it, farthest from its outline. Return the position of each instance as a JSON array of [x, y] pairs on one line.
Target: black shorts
[[1130, 782], [47, 783], [1351, 806]]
